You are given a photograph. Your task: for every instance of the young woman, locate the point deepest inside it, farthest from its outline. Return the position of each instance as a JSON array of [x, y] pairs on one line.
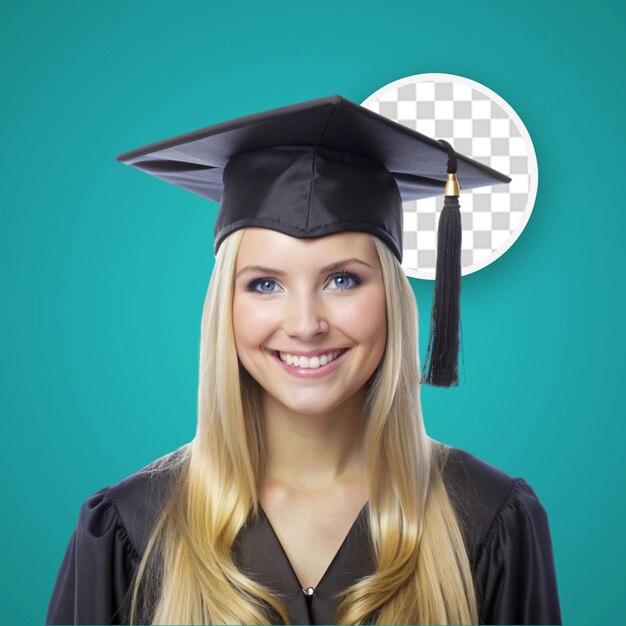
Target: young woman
[[311, 492]]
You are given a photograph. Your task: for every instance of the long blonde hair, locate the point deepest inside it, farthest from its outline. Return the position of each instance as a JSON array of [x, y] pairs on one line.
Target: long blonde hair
[[187, 574]]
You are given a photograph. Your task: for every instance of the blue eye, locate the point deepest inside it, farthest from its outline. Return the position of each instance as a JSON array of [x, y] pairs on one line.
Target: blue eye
[[345, 277], [342, 281], [261, 282]]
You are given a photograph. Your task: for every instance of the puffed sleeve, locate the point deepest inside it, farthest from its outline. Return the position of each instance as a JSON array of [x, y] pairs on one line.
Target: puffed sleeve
[[514, 571], [97, 568]]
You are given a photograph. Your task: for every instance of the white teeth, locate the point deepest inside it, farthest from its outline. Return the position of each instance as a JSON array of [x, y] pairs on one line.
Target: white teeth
[[308, 363]]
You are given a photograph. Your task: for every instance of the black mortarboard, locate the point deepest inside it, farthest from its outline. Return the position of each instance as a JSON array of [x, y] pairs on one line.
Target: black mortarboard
[[325, 166]]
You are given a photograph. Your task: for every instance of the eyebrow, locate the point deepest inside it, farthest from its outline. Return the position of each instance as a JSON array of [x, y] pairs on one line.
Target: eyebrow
[[328, 268]]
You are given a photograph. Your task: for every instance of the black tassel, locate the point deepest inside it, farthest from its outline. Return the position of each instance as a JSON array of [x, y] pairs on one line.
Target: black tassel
[[443, 344]]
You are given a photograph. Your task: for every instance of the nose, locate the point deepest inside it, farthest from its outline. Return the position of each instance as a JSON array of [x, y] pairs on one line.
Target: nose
[[305, 316]]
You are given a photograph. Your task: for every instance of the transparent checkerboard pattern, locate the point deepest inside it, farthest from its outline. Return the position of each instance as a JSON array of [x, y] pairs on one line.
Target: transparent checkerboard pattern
[[477, 127]]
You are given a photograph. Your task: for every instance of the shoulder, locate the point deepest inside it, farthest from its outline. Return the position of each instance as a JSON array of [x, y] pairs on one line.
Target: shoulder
[[134, 503], [105, 548], [485, 497], [509, 543]]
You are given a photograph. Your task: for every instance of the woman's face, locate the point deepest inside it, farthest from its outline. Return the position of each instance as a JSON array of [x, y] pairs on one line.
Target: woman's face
[[320, 299]]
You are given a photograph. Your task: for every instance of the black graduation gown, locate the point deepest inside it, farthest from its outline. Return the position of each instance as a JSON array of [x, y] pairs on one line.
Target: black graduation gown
[[503, 522]]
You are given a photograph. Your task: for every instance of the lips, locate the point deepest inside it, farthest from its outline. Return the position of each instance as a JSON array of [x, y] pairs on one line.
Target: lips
[[308, 372], [312, 353], [307, 353]]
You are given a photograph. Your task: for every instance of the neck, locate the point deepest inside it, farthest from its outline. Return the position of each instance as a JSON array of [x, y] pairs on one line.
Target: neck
[[313, 451]]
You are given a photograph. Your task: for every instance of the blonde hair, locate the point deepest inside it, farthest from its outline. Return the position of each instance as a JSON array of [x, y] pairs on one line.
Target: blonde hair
[[187, 573]]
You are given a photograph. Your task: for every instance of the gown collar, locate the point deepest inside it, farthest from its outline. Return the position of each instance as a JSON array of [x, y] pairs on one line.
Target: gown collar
[[259, 553]]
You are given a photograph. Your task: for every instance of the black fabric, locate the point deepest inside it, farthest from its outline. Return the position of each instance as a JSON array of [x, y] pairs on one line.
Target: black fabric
[[452, 162], [310, 191], [310, 169], [441, 362], [504, 525]]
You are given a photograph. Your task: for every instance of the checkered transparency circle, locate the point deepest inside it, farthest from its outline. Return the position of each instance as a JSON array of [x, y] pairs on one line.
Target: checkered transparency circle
[[479, 124]]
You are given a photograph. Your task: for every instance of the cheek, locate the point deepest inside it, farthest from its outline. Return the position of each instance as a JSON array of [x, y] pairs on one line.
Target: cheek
[[241, 313], [365, 319], [251, 322]]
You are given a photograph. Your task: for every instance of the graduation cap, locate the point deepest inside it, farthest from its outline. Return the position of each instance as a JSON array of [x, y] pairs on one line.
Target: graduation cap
[[326, 166]]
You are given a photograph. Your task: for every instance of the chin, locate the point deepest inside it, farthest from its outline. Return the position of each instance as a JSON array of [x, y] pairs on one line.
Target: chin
[[308, 407], [313, 402]]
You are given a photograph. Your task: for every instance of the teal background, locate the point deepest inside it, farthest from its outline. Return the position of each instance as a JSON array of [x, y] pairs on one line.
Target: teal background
[[104, 269]]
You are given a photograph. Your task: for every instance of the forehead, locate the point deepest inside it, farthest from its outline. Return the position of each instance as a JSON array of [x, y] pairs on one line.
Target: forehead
[[264, 244]]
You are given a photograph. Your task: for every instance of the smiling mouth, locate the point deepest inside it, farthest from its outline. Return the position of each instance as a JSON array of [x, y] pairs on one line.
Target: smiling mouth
[[309, 363]]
